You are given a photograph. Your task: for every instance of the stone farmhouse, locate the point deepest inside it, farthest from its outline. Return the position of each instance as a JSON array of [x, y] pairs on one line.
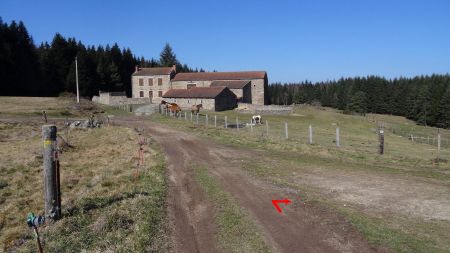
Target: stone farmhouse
[[214, 90], [218, 98]]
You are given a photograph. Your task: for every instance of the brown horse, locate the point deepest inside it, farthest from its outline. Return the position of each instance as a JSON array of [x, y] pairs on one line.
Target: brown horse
[[174, 108], [196, 108]]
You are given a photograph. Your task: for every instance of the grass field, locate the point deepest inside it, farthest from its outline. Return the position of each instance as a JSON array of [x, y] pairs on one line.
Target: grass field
[[105, 208], [398, 200]]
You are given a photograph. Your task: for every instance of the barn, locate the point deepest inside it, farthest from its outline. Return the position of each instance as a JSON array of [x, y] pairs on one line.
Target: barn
[[241, 88], [219, 98]]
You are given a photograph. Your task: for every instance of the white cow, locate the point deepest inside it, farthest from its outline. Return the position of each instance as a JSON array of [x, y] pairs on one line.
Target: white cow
[[256, 119]]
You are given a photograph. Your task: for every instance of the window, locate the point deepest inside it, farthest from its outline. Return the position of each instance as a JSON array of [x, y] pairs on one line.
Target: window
[[160, 93], [150, 82], [141, 93], [191, 85], [159, 81], [141, 82], [150, 94]]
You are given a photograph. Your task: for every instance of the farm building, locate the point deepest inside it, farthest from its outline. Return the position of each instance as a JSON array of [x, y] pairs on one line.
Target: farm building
[[218, 98], [249, 86], [241, 88], [258, 82], [151, 82]]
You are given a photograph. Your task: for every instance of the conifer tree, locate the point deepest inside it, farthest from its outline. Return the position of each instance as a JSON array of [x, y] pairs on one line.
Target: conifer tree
[[167, 57]]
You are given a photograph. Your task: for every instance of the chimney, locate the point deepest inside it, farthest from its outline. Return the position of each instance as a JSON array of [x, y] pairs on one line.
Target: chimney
[[136, 69], [174, 68]]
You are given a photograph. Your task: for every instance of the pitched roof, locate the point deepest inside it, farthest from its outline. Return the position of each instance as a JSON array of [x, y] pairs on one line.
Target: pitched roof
[[209, 76], [231, 84], [153, 71], [195, 92]]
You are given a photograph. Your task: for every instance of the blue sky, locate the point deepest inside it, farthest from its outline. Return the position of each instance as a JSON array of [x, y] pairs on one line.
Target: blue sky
[[292, 40]]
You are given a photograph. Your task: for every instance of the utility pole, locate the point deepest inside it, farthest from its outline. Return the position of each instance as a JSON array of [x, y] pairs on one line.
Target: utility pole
[[76, 76]]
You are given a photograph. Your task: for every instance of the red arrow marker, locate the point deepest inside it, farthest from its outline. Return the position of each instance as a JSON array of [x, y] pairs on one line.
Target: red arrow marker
[[276, 201]]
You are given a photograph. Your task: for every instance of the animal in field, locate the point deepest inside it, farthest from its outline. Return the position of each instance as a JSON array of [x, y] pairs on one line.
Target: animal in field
[[256, 119], [163, 104], [196, 108], [174, 108]]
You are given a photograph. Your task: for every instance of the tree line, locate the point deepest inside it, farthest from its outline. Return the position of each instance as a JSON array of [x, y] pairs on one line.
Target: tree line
[[49, 69], [424, 99]]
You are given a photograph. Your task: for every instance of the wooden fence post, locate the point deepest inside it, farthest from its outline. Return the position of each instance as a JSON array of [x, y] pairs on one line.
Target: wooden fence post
[[215, 121], [310, 134], [52, 199], [267, 128], [44, 114], [381, 140], [191, 116], [337, 137], [286, 129], [185, 118], [226, 123], [197, 118], [206, 120], [438, 144]]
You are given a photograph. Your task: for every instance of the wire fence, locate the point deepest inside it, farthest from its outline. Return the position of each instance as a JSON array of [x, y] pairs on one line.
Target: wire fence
[[328, 136]]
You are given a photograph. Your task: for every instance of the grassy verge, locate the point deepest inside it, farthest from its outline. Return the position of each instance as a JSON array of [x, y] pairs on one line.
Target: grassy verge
[[105, 207], [236, 231]]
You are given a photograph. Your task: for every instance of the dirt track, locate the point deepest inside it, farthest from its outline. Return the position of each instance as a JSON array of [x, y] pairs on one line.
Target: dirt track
[[300, 228]]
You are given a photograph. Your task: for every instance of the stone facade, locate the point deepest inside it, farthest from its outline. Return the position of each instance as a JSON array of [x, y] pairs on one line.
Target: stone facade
[[153, 83], [214, 98], [187, 103]]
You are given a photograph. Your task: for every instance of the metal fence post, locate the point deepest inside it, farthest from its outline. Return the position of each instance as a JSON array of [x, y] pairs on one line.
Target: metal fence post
[[286, 129], [197, 118], [206, 120], [215, 121], [226, 123], [337, 137], [267, 128], [310, 134]]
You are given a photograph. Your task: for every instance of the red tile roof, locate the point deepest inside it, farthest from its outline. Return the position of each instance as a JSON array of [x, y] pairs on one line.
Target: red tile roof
[[153, 71], [195, 92], [210, 76], [231, 84]]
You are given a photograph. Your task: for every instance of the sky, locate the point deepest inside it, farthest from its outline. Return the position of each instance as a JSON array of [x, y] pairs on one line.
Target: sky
[[314, 40]]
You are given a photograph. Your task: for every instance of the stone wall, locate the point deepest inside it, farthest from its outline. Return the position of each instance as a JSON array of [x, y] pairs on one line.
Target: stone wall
[[187, 103], [184, 84], [259, 91], [106, 99], [265, 109]]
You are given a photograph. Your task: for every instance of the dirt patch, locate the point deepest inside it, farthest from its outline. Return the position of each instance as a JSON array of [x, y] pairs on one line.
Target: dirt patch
[[381, 193], [300, 228]]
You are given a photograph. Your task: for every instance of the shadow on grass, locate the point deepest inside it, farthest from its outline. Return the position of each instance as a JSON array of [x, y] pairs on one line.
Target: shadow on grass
[[89, 204]]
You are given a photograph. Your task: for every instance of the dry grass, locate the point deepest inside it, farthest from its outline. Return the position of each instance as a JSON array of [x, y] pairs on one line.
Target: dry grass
[[30, 105], [104, 206]]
